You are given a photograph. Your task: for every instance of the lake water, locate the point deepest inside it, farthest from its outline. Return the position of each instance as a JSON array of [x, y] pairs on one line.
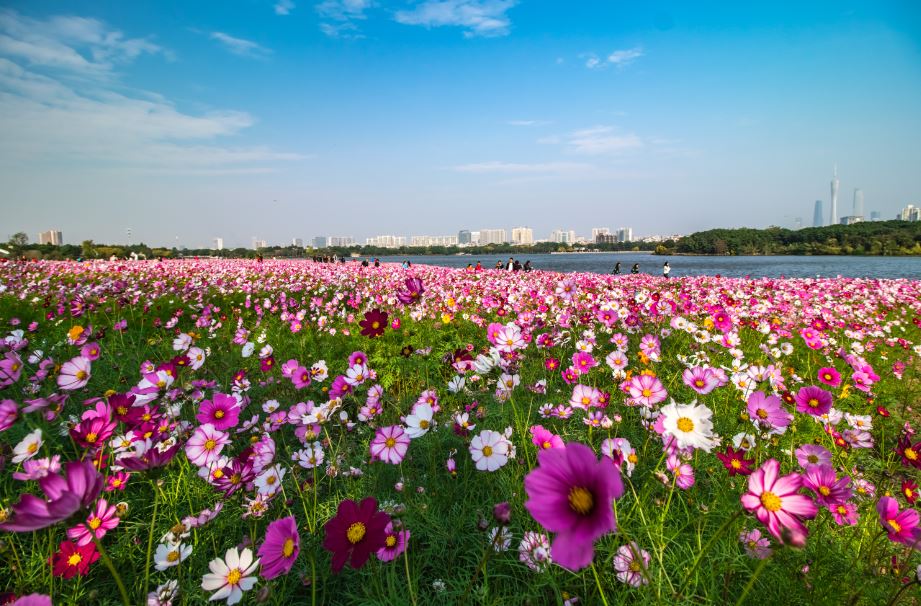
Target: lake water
[[755, 267]]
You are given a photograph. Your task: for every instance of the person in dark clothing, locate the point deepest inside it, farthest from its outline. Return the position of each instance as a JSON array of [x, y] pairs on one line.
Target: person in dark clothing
[[616, 271], [527, 265], [516, 266], [499, 265], [377, 262], [635, 269], [364, 262]]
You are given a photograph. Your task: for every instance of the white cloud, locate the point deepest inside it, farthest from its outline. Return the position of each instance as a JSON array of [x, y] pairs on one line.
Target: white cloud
[[49, 118], [240, 46], [478, 17], [528, 122], [619, 58], [523, 168], [284, 7], [599, 140], [76, 44], [340, 17], [622, 58]]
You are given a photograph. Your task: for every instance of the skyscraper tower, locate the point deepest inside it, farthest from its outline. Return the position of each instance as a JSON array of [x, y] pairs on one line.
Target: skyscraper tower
[[817, 220], [858, 202], [833, 215]]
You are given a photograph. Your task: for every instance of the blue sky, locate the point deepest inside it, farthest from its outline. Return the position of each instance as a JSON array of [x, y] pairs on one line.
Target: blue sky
[[296, 118]]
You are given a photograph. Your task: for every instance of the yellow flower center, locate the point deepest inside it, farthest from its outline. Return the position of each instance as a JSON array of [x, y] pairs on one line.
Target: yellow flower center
[[95, 522], [355, 533], [813, 402], [586, 400], [91, 437], [219, 414], [842, 510], [74, 559], [423, 424], [910, 454], [487, 451], [172, 556], [895, 526], [32, 448], [685, 424], [762, 413], [581, 500], [288, 548], [635, 566], [375, 325], [81, 374], [771, 501], [271, 480], [736, 464], [390, 443], [390, 541], [633, 458], [234, 576], [210, 444], [697, 383], [647, 392], [824, 491]]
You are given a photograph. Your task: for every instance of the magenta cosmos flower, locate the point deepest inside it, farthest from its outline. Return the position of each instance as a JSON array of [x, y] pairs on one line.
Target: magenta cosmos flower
[[830, 376], [828, 489], [280, 548], [902, 527], [544, 439], [357, 531], [78, 488], [570, 493], [813, 400], [768, 411], [394, 543], [413, 292], [390, 444], [776, 502], [101, 520], [702, 380], [222, 411]]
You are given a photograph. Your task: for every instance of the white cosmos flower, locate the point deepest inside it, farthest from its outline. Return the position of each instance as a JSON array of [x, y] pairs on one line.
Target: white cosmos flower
[[248, 349], [489, 450], [28, 447], [456, 384], [420, 421], [231, 576], [690, 425], [169, 555]]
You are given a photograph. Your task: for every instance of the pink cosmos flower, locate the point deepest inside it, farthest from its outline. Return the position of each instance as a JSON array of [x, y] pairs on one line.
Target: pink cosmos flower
[[845, 514], [584, 397], [10, 369], [812, 454], [78, 488], [222, 411], [813, 401], [756, 545], [583, 362], [631, 563], [90, 351], [36, 469], [390, 444], [279, 550], [902, 527], [300, 377], [777, 504], [9, 412], [545, 439], [75, 373], [205, 445], [828, 489], [570, 493], [101, 520], [829, 376], [646, 390], [394, 543], [702, 380], [767, 411]]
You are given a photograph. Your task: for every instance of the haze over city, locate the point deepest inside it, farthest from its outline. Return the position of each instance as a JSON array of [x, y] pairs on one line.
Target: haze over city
[[283, 119]]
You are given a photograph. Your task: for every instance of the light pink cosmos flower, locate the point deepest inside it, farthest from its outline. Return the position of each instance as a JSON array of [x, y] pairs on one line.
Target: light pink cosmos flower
[[646, 390], [75, 373], [390, 444], [584, 397], [777, 504], [631, 564], [700, 379], [205, 445]]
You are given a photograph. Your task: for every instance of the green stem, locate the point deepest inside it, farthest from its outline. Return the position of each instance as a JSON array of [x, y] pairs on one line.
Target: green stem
[[150, 536], [108, 564], [409, 583], [751, 582], [705, 549], [895, 598], [604, 599]]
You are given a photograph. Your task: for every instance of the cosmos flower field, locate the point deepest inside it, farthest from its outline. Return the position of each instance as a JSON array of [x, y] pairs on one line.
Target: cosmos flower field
[[294, 432]]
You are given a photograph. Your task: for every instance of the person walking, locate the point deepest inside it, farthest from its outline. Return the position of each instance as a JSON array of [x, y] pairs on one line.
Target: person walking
[[635, 269], [616, 271], [666, 269]]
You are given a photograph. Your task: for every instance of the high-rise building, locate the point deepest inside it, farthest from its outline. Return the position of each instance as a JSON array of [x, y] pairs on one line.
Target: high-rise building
[[625, 234], [299, 242], [876, 216], [522, 236], [218, 244], [858, 202], [833, 215], [52, 236], [493, 236], [851, 219], [386, 241], [320, 242], [817, 215], [464, 236], [258, 244], [599, 231], [474, 237], [341, 241], [910, 213]]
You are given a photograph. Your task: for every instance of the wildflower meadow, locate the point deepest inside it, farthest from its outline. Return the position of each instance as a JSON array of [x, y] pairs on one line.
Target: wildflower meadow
[[286, 432]]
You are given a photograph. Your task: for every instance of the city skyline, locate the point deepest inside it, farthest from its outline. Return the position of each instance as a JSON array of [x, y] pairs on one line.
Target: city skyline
[[362, 118]]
